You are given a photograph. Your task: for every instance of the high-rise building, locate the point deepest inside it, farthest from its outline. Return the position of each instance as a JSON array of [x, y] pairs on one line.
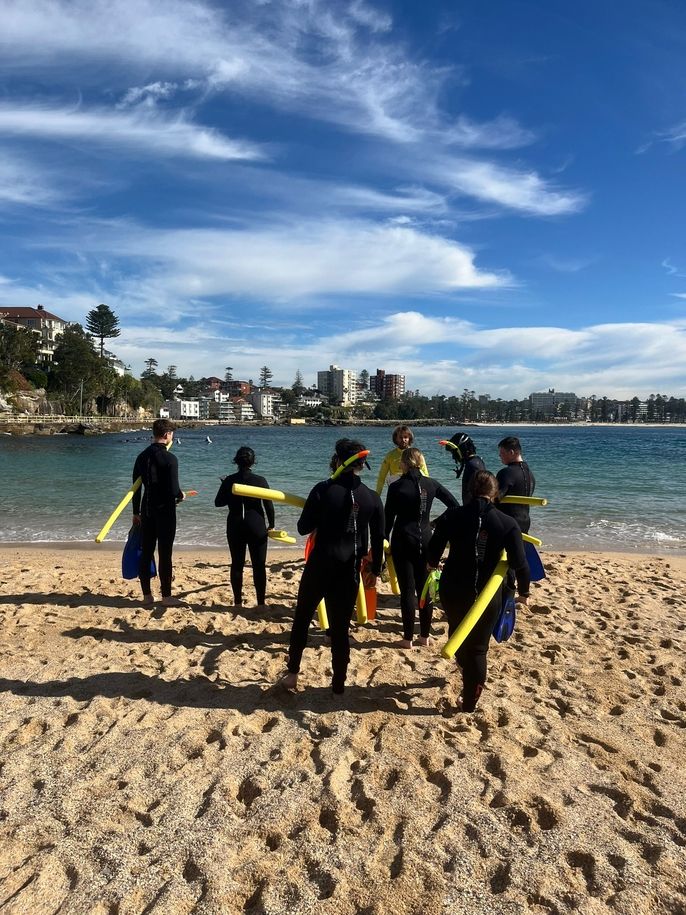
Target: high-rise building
[[339, 385], [387, 387]]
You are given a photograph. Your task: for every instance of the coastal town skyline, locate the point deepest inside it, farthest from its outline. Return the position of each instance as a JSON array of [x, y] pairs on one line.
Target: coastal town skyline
[[452, 193]]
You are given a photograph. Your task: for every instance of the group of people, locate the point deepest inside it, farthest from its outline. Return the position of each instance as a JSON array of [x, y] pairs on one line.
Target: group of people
[[347, 524]]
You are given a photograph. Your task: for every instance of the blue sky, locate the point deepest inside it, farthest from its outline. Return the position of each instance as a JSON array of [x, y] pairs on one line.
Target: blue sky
[[481, 196]]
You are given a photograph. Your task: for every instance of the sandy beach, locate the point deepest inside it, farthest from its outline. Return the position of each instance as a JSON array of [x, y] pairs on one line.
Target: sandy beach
[[150, 764]]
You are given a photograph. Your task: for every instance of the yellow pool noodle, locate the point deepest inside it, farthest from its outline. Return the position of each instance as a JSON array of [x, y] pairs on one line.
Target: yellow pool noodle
[[529, 539], [392, 577], [260, 492], [321, 616], [361, 604], [118, 510], [523, 500], [476, 611], [281, 536]]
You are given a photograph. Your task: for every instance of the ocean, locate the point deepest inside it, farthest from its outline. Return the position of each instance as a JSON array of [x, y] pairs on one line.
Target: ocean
[[609, 488]]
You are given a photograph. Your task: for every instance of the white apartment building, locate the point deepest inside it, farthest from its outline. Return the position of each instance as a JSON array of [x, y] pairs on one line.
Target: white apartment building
[[262, 403], [44, 324], [339, 385], [180, 409], [243, 411]]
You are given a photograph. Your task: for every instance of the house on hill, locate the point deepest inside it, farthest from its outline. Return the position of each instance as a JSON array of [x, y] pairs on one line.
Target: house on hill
[[41, 322]]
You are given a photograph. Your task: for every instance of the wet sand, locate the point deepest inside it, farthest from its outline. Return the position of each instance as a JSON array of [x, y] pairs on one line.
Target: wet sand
[[150, 764]]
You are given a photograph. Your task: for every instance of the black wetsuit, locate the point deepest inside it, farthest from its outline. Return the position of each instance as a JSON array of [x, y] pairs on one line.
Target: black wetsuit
[[471, 466], [245, 528], [516, 479], [408, 511], [155, 501], [346, 515], [477, 533]]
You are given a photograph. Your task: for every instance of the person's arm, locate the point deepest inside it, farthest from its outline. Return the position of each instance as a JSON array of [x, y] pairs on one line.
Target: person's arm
[[177, 492], [309, 517], [504, 482], [222, 497], [383, 473], [137, 496], [268, 507], [516, 559], [438, 542], [376, 537], [391, 511], [445, 496]]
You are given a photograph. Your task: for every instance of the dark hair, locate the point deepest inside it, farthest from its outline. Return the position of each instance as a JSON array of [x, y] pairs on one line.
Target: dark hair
[[483, 484], [346, 448], [511, 443], [161, 427], [465, 445], [399, 429], [244, 457], [412, 458]]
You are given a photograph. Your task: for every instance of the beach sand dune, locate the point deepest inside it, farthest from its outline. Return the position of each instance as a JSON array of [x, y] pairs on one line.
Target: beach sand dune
[[150, 765]]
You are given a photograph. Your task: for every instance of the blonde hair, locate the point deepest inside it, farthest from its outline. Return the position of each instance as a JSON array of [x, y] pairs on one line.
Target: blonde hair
[[411, 458]]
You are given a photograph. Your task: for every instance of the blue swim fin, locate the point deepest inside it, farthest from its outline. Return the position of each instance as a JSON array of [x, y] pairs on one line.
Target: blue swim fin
[[536, 570], [132, 554], [504, 625]]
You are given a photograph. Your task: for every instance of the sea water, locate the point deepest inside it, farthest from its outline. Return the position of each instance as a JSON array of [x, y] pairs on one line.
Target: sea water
[[609, 488]]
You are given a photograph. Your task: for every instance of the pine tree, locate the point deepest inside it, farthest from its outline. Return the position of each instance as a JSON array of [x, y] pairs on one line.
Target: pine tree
[[103, 324], [266, 376]]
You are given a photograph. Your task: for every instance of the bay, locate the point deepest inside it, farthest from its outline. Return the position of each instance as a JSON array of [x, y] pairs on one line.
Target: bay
[[609, 488]]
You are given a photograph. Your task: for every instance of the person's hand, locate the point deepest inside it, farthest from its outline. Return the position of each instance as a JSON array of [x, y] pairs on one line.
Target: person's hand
[[136, 520], [522, 601]]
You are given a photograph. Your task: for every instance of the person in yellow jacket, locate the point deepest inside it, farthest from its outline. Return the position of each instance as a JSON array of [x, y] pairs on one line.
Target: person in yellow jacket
[[390, 466]]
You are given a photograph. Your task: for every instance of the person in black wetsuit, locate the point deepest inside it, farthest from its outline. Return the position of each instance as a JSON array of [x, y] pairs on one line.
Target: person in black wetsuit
[[245, 526], [154, 508], [467, 460], [515, 479], [348, 518], [477, 534], [408, 511]]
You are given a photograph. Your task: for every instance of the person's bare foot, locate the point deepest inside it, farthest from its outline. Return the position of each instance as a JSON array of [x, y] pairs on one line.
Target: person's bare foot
[[404, 643], [147, 600], [423, 640], [173, 602], [289, 681]]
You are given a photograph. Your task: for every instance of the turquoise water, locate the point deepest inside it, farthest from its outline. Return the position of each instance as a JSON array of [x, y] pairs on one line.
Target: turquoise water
[[609, 488]]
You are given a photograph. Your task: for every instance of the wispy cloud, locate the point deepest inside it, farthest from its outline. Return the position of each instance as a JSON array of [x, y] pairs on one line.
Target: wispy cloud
[[150, 131], [26, 184]]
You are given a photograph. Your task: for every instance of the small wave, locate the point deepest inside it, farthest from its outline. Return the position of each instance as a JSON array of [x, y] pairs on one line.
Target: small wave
[[632, 532]]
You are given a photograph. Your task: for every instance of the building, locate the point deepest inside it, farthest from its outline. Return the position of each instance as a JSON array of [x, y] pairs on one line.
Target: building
[[237, 388], [339, 385], [41, 322], [262, 403], [242, 410], [386, 386], [180, 409], [116, 364], [547, 404]]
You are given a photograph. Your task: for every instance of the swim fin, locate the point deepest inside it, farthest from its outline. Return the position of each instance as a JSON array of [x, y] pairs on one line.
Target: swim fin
[[130, 558], [536, 570], [504, 625]]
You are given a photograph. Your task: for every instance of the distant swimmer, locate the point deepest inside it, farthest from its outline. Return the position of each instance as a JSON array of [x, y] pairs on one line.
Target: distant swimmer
[[346, 516], [245, 527], [390, 466], [477, 534], [154, 508], [208, 440]]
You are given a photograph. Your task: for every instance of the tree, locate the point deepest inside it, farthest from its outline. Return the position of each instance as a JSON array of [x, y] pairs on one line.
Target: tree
[[150, 368], [78, 372], [364, 379], [103, 324], [266, 376], [18, 348], [298, 387]]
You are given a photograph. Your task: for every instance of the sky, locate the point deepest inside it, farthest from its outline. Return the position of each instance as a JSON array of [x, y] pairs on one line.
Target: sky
[[481, 196]]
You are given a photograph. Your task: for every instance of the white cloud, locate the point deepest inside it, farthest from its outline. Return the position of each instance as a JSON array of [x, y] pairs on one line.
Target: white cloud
[[290, 262], [501, 133], [25, 184], [142, 130]]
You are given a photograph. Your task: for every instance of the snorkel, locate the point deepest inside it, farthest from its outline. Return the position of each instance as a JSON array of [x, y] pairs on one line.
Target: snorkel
[[456, 454], [360, 456]]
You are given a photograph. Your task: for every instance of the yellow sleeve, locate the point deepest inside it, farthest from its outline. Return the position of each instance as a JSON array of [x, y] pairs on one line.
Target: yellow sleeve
[[423, 468], [383, 473]]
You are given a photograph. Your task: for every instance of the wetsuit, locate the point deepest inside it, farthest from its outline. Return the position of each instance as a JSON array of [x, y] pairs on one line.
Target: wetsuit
[[346, 516], [408, 511], [245, 528], [390, 467], [471, 466], [477, 533], [155, 501], [516, 479]]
